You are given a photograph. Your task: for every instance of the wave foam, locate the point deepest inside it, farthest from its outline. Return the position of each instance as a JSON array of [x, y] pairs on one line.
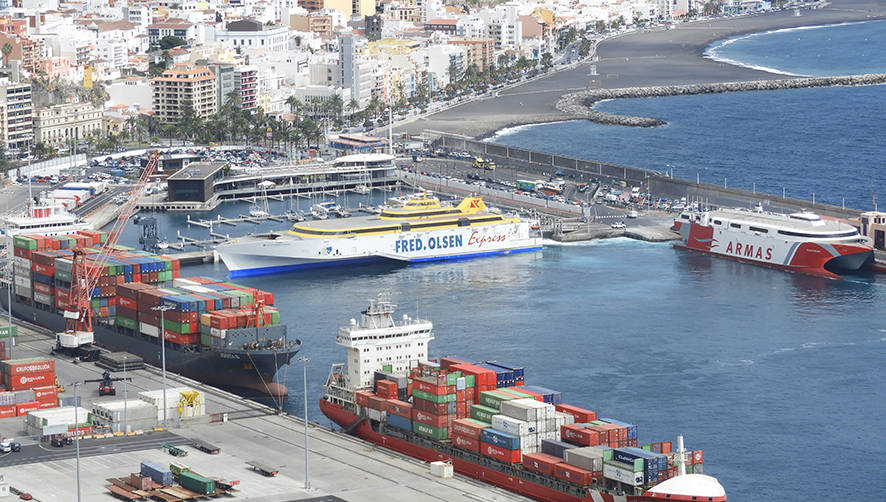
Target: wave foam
[[508, 131]]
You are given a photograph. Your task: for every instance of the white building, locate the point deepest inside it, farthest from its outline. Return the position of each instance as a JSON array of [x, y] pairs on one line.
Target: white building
[[251, 34], [440, 58]]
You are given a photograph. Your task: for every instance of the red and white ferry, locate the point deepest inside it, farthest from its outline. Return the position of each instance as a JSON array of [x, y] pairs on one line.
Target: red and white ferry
[[378, 342], [800, 242]]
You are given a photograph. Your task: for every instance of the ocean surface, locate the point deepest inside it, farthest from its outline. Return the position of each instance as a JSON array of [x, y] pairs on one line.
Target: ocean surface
[[778, 377], [825, 143]]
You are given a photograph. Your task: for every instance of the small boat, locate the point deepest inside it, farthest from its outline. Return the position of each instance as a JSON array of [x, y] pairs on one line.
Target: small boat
[[362, 189], [319, 213], [162, 245], [295, 216], [368, 209], [340, 212]]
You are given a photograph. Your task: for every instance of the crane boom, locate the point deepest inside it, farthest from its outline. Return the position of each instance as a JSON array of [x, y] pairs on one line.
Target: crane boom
[[84, 279]]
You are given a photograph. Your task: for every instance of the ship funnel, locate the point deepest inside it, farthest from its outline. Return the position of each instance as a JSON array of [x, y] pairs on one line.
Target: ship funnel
[[681, 456], [353, 322]]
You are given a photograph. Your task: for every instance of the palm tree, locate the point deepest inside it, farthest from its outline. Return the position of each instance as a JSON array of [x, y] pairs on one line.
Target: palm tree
[[295, 105], [6, 50], [335, 105]]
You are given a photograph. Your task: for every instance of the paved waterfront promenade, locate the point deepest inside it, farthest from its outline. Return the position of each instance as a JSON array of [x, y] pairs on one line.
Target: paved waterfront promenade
[[650, 58]]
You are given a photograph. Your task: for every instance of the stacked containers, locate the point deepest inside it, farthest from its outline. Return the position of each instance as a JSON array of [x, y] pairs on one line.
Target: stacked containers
[[159, 474], [533, 421], [37, 419], [515, 375], [399, 414], [434, 406], [25, 375], [631, 439], [135, 414], [589, 459], [548, 395], [634, 466], [466, 433]]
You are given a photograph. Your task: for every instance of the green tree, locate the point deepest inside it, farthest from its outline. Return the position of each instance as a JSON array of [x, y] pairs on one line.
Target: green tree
[[42, 150], [295, 106], [711, 8], [6, 50], [584, 50], [4, 161], [166, 57], [547, 60], [600, 26], [169, 42]]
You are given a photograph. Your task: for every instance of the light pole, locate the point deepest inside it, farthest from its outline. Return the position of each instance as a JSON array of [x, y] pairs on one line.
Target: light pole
[[125, 399], [162, 309], [304, 361], [77, 433], [11, 278]]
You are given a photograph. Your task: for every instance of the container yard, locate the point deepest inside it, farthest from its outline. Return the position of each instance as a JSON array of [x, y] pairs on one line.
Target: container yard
[[253, 434]]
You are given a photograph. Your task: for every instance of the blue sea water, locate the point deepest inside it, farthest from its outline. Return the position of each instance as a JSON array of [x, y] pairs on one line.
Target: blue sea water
[[825, 143], [778, 377]]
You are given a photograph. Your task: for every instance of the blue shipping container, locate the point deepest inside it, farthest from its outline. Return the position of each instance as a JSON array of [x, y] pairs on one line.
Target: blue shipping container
[[499, 438], [549, 396], [632, 429], [503, 377], [555, 448], [399, 422], [516, 370], [158, 473]]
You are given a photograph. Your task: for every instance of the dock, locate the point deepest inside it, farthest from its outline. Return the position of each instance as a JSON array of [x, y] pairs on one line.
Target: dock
[[241, 430], [220, 220]]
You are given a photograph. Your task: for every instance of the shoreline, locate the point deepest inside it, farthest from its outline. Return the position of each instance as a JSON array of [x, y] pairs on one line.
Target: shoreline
[[652, 58]]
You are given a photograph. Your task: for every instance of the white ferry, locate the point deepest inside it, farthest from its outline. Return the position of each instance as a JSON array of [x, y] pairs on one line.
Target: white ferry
[[48, 219], [800, 242], [420, 230]]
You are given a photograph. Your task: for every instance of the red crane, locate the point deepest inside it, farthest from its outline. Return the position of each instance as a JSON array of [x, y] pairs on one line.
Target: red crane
[[84, 277]]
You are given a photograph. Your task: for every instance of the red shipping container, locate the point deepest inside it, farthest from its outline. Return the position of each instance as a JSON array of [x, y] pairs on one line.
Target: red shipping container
[[400, 408], [466, 443], [616, 432], [541, 462], [45, 393], [48, 404], [423, 384], [581, 415], [499, 453], [446, 362], [23, 368], [467, 429], [572, 474], [7, 411], [430, 406], [386, 389], [459, 396], [535, 395], [46, 289], [363, 398], [43, 269], [22, 409], [430, 419], [377, 403], [579, 435], [129, 303], [697, 457], [482, 377], [461, 410], [608, 437], [471, 394]]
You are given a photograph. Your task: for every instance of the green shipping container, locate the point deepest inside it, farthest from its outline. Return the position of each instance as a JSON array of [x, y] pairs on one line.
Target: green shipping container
[[205, 339], [445, 398], [452, 377], [7, 331], [470, 381], [275, 318], [482, 413], [478, 423], [493, 398], [20, 241], [127, 322], [636, 467], [95, 302], [429, 431], [181, 328], [196, 483]]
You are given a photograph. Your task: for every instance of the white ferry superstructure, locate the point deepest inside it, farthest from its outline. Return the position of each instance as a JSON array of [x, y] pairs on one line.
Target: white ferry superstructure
[[800, 242], [47, 219], [421, 230]]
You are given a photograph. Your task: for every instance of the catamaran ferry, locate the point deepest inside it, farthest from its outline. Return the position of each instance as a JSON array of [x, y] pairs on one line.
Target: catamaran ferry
[[800, 242], [420, 230]]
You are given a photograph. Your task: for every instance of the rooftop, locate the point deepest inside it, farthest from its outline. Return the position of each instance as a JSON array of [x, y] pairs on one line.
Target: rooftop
[[197, 171]]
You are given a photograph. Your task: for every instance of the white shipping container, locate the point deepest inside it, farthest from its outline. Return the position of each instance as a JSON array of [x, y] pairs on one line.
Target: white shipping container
[[23, 290], [376, 415], [173, 397], [512, 425], [622, 475], [44, 299], [196, 288], [181, 283], [218, 333], [520, 409], [22, 270], [21, 260], [23, 281], [57, 416], [134, 409], [461, 383], [147, 329], [567, 418], [584, 459]]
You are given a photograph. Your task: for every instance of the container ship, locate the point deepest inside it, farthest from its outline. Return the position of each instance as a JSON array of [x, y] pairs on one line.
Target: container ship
[[800, 242], [216, 332], [484, 420], [420, 230]]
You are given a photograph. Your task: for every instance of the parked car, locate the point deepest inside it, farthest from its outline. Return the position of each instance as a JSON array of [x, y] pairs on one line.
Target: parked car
[[8, 446]]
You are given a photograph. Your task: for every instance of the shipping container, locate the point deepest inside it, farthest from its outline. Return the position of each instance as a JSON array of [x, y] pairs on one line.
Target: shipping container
[[466, 442], [623, 475], [550, 396], [399, 408], [578, 435], [30, 380], [513, 426], [439, 421], [541, 462], [483, 413], [196, 483], [469, 427], [158, 473], [499, 453], [555, 448], [500, 438], [573, 474], [429, 431], [581, 415], [588, 458], [399, 422]]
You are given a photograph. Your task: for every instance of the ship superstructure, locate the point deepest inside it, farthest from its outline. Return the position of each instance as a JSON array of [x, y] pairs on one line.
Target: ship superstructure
[[800, 242], [488, 424]]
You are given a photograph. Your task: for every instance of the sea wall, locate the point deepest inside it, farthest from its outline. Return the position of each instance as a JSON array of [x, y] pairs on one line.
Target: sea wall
[[581, 103]]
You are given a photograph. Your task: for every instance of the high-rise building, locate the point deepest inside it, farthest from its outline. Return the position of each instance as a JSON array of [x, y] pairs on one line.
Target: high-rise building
[[184, 83], [246, 83], [16, 121]]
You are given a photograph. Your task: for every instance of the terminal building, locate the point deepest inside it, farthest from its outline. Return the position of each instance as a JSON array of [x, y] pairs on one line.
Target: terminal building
[[195, 183]]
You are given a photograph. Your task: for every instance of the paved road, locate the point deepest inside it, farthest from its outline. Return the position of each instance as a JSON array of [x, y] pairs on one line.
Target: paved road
[[43, 452]]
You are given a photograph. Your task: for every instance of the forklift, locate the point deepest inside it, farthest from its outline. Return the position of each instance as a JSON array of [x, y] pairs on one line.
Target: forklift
[[106, 383]]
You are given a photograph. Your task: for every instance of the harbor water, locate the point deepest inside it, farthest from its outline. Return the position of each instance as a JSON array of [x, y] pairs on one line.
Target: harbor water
[[776, 376]]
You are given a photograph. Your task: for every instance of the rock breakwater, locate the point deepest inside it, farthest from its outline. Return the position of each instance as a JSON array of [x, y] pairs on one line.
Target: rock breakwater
[[581, 103]]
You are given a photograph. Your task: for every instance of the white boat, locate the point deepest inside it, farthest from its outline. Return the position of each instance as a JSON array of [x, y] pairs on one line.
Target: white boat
[[48, 219], [261, 209], [800, 242], [422, 230]]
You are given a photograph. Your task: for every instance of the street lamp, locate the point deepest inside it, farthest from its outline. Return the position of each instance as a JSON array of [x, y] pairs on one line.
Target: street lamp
[[77, 433], [162, 309], [10, 276], [125, 399], [304, 361]]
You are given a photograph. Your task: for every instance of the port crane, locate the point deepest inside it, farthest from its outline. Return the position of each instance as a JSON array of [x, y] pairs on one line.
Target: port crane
[[77, 339], [106, 383]]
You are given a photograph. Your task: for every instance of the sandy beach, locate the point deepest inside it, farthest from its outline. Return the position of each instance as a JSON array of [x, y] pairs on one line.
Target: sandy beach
[[656, 57]]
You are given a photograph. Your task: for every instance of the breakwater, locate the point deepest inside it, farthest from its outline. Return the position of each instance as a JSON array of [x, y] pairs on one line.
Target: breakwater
[[581, 103]]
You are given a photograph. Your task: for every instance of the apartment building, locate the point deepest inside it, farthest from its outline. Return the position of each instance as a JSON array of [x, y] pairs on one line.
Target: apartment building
[[16, 126], [181, 84], [480, 51]]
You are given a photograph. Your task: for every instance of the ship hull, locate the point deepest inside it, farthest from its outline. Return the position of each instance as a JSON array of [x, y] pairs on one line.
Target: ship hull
[[257, 256], [252, 371], [346, 420], [823, 258]]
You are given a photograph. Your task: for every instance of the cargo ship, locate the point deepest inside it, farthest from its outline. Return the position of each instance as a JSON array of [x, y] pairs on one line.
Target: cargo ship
[[219, 333], [800, 242], [488, 424], [420, 230]]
